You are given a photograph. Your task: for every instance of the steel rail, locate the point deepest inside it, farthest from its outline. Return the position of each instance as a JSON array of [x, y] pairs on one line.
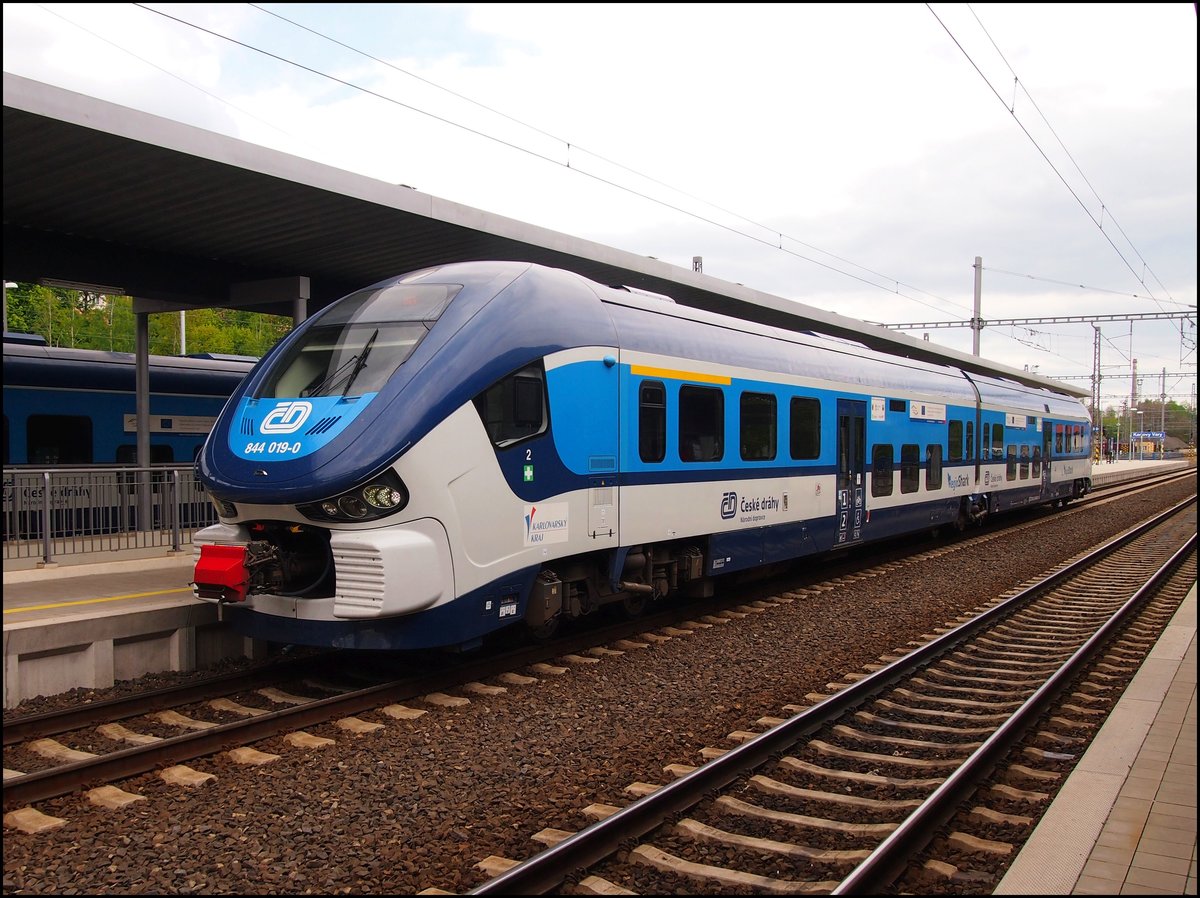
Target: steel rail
[[50, 723], [545, 871], [891, 857], [52, 782]]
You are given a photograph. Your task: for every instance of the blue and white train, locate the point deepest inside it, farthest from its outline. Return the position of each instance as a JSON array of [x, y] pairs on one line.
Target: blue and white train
[[453, 451]]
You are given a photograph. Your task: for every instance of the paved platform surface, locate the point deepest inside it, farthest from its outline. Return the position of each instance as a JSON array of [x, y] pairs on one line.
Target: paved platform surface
[[1124, 823]]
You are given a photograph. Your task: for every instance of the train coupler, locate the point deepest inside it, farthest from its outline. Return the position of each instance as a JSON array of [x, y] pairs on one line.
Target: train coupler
[[221, 574]]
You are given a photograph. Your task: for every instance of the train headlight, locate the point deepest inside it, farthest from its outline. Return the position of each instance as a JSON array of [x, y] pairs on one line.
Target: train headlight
[[353, 506], [381, 496]]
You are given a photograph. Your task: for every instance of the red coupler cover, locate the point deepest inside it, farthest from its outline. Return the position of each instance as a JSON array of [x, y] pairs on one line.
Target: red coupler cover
[[221, 573]]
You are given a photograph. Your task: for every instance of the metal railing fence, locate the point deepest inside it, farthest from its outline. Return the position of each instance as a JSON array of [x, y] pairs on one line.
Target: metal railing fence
[[54, 511]]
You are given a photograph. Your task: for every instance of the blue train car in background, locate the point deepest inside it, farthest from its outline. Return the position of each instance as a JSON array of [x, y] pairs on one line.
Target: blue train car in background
[[76, 407]]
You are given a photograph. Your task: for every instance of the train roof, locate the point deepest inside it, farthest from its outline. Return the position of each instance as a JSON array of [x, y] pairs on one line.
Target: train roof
[[27, 364], [223, 357], [837, 360], [24, 339]]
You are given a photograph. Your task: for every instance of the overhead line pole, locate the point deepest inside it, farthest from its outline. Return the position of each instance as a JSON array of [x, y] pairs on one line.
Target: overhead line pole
[[1162, 408], [1133, 391], [977, 320], [1096, 375]]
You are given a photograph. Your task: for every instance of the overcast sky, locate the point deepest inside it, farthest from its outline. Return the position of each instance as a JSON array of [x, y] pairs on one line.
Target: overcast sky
[[856, 158]]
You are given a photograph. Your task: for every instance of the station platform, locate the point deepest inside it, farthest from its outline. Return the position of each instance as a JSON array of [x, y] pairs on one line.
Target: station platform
[[1123, 823], [90, 624]]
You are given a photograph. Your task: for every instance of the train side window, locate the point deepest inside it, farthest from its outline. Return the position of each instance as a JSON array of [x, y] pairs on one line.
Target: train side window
[[881, 469], [59, 440], [1058, 439], [1010, 470], [759, 426], [910, 468], [970, 450], [997, 441], [514, 408], [6, 441], [956, 439], [652, 421], [701, 424], [1076, 438], [1024, 462], [1037, 461], [127, 454], [804, 434], [933, 469], [986, 441]]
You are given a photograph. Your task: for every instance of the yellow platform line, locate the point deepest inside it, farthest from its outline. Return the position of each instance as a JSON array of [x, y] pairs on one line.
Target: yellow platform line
[[132, 595]]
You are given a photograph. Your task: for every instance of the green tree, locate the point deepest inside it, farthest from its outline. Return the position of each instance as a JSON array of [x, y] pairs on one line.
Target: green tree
[[87, 320]]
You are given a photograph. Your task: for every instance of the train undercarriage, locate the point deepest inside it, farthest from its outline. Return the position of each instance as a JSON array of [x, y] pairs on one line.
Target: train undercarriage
[[635, 578]]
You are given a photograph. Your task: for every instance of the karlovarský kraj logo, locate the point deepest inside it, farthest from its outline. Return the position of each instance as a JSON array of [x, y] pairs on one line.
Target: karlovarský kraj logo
[[547, 523]]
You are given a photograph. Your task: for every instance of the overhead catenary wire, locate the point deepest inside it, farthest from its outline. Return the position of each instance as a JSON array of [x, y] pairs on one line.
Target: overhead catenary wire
[[171, 74], [1103, 206], [1042, 152], [776, 241], [1034, 277], [569, 145]]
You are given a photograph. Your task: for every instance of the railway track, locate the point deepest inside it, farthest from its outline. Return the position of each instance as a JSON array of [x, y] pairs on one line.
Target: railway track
[[168, 727], [253, 713], [870, 781]]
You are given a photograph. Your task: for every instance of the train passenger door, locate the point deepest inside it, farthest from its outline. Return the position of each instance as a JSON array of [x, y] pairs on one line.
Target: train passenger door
[[852, 469], [1047, 442]]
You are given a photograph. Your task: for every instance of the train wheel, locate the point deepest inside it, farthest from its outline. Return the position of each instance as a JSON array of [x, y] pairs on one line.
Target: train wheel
[[634, 605], [543, 632], [964, 517]]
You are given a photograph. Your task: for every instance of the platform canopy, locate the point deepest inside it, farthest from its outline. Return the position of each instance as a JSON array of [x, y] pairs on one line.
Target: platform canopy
[[179, 217]]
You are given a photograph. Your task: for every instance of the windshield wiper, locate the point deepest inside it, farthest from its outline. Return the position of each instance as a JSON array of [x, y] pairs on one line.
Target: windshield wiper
[[362, 361], [332, 378], [358, 360]]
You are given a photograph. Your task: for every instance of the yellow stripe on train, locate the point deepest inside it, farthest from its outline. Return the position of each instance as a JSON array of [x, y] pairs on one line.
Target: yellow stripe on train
[[668, 373]]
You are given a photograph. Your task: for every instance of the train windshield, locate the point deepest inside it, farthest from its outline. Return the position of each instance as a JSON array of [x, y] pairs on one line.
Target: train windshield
[[358, 343]]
